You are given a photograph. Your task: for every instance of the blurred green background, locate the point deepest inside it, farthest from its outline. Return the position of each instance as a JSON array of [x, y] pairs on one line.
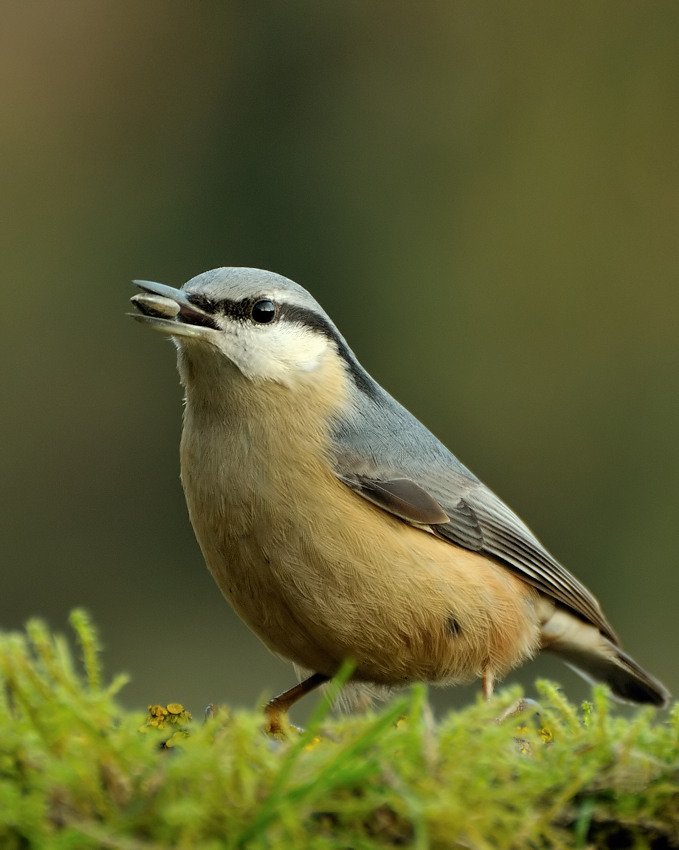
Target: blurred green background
[[484, 196]]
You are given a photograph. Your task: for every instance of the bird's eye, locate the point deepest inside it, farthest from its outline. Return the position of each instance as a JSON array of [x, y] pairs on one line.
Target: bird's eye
[[263, 311]]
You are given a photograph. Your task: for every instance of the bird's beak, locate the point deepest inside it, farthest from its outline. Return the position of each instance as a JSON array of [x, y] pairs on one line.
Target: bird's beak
[[169, 311]]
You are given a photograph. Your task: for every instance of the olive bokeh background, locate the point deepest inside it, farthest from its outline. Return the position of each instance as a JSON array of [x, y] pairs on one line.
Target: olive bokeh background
[[485, 198]]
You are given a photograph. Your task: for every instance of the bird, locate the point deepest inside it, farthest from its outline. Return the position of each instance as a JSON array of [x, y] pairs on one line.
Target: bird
[[338, 527]]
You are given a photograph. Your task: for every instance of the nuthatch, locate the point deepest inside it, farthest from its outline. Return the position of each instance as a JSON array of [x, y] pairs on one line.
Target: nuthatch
[[338, 526]]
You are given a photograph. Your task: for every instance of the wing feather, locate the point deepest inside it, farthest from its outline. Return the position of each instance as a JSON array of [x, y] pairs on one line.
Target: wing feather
[[389, 458]]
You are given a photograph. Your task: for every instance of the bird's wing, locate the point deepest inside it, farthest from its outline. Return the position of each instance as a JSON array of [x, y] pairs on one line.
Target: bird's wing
[[395, 462]]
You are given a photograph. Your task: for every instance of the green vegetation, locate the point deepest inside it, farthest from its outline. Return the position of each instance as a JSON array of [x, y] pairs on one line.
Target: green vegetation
[[79, 771]]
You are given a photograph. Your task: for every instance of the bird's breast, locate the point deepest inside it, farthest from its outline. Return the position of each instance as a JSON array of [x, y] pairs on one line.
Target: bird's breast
[[320, 574]]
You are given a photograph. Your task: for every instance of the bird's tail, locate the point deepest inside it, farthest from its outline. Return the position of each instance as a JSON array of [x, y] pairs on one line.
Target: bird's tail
[[593, 656]]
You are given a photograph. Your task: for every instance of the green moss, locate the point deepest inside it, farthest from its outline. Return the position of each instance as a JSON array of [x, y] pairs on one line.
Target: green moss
[[78, 771]]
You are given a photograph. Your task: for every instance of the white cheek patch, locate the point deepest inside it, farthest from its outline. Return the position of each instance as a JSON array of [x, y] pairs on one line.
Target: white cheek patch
[[276, 352], [306, 350]]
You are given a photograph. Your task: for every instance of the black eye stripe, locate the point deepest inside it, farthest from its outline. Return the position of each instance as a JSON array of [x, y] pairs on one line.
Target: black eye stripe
[[203, 303], [241, 310]]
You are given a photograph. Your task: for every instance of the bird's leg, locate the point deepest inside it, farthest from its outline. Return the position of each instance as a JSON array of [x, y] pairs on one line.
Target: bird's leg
[[487, 684], [278, 707]]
